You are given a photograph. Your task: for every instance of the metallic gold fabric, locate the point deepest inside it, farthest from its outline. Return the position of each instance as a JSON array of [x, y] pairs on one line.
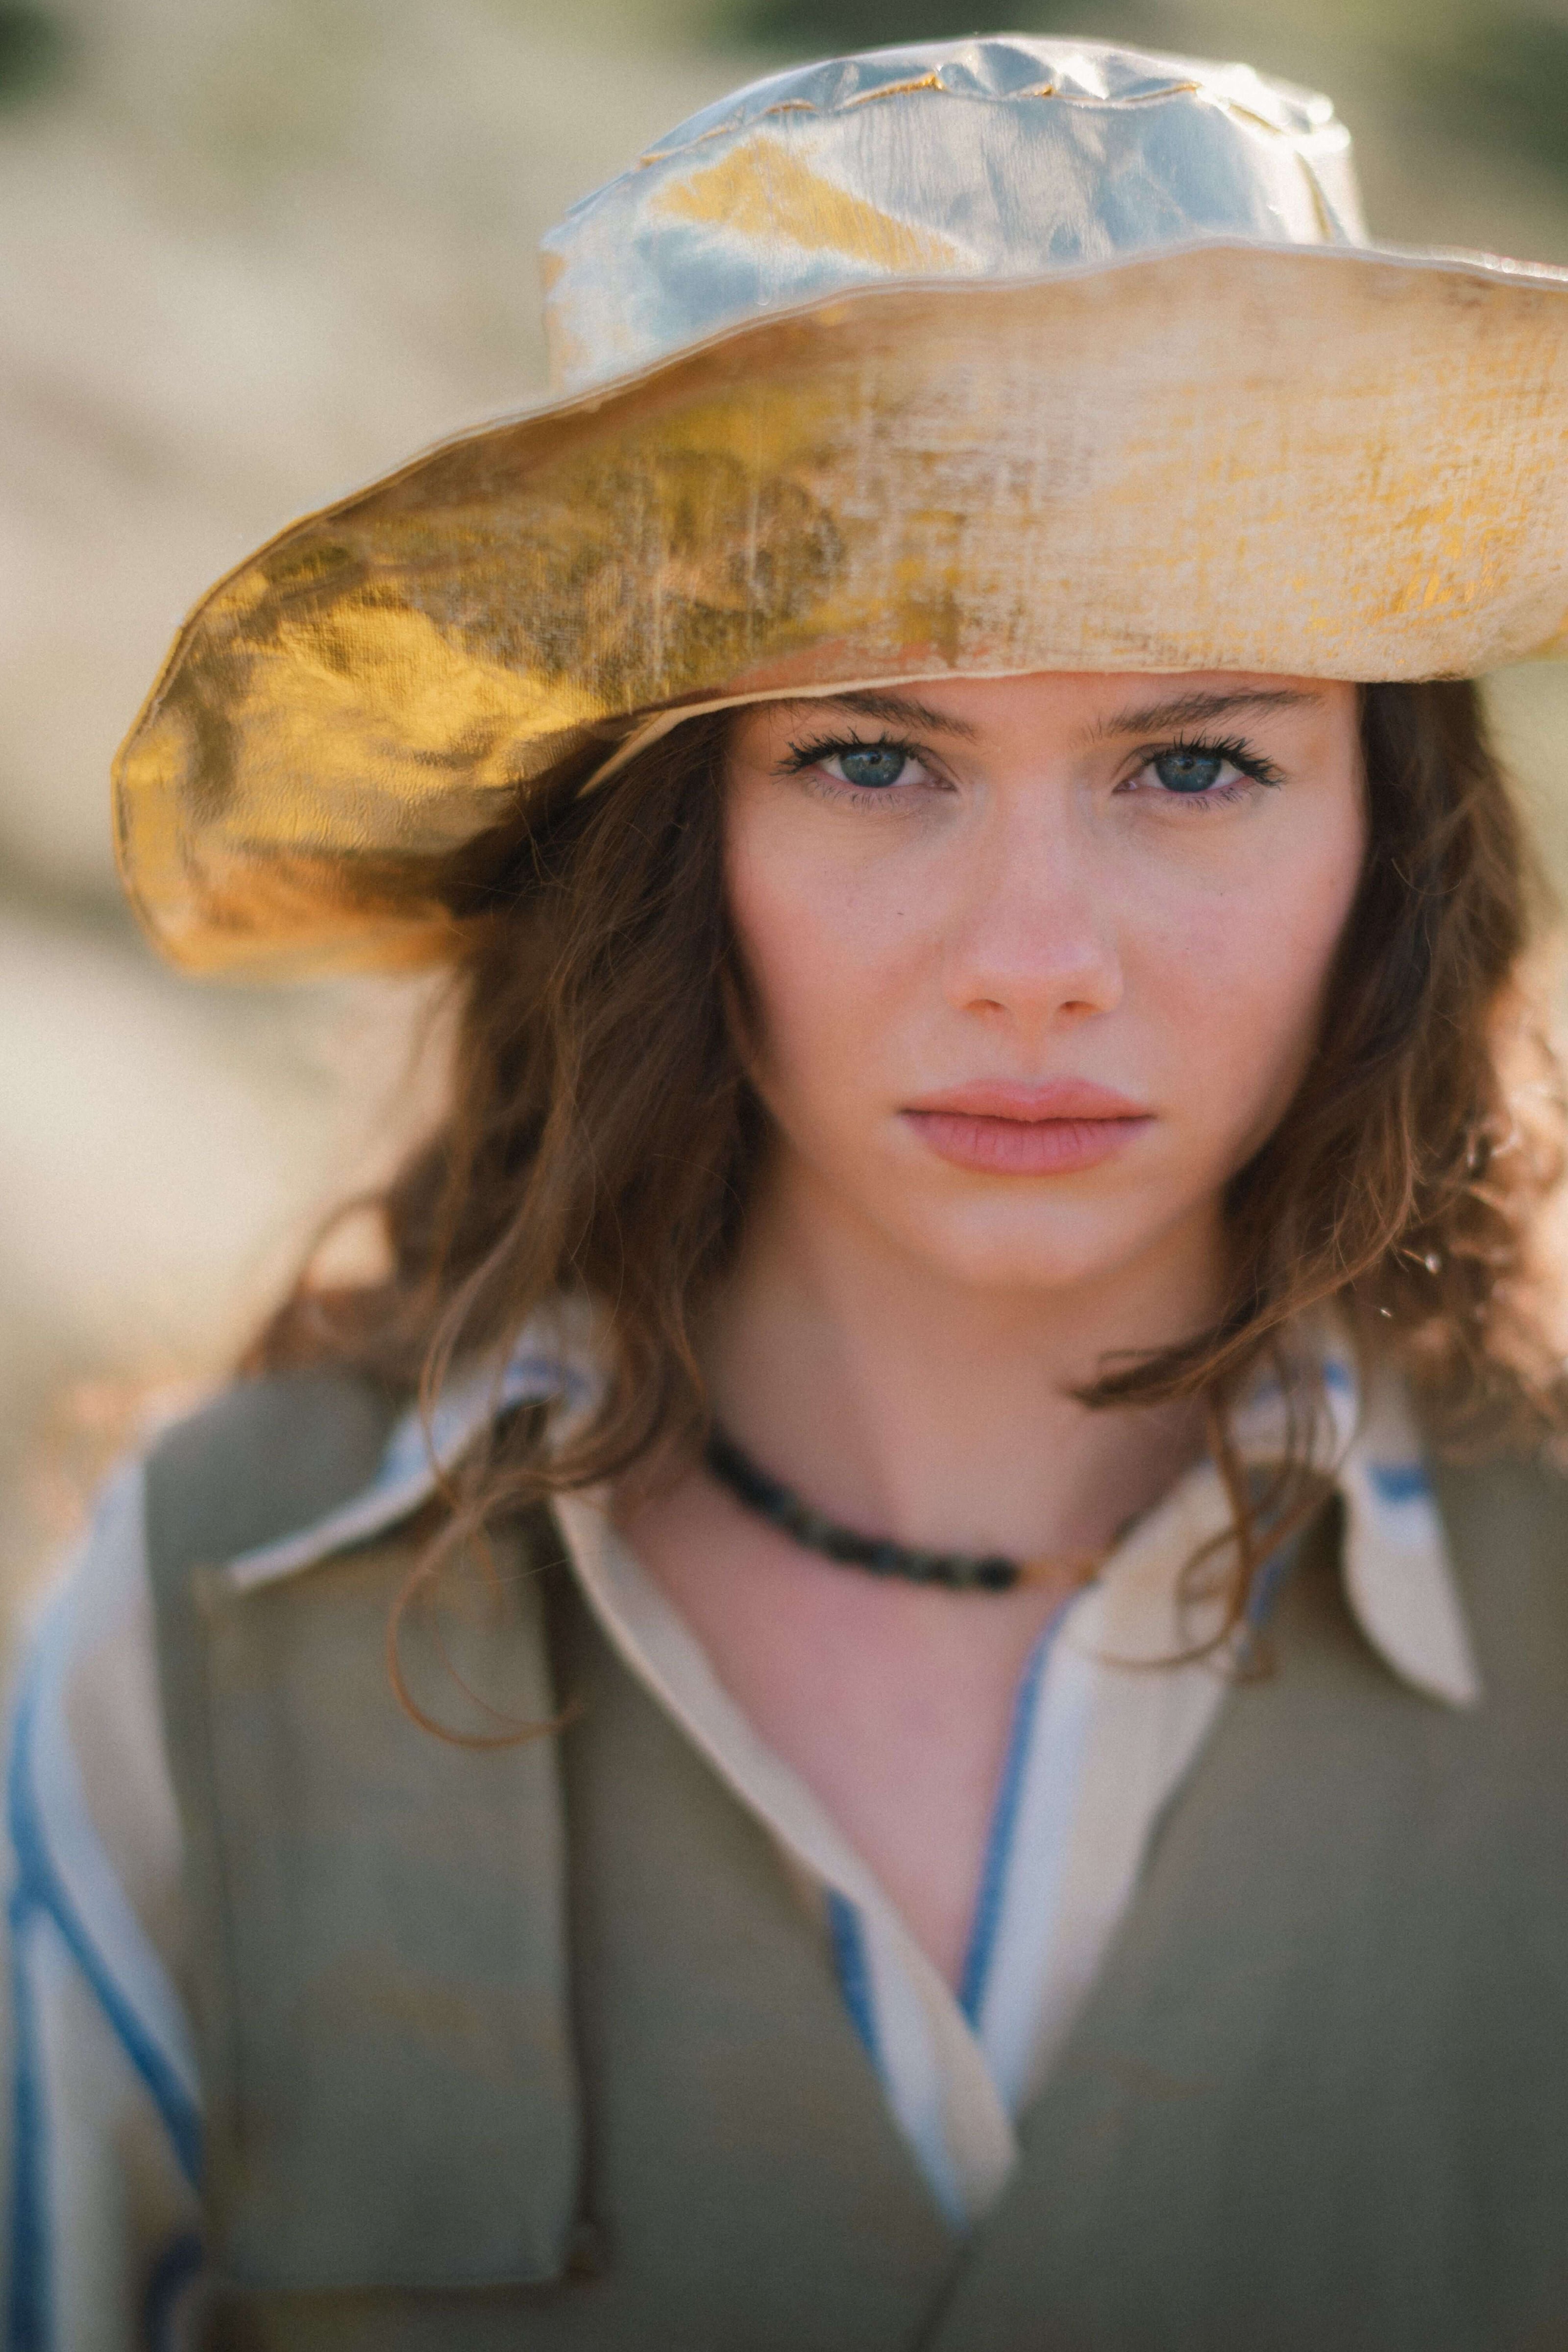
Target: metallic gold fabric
[[1272, 452]]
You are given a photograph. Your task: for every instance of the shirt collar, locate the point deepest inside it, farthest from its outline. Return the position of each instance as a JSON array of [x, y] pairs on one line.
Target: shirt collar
[[1399, 1581]]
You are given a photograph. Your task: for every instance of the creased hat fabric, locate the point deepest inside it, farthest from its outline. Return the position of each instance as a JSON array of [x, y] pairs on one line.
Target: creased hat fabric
[[972, 359]]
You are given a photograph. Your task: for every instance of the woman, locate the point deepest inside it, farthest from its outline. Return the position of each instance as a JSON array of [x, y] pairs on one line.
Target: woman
[[858, 1706]]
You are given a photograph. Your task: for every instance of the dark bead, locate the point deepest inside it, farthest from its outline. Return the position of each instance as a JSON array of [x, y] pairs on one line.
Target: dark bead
[[997, 1575]]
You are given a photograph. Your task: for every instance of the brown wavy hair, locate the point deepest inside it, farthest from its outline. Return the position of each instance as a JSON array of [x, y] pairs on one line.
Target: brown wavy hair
[[601, 1137]]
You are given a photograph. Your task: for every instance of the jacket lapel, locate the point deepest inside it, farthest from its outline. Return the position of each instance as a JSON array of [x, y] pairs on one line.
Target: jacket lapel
[[744, 2177]]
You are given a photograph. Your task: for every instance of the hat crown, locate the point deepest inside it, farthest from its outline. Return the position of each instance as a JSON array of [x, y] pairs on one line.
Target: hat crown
[[991, 159]]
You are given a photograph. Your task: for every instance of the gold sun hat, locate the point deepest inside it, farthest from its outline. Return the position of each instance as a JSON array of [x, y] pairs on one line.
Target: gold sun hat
[[972, 358]]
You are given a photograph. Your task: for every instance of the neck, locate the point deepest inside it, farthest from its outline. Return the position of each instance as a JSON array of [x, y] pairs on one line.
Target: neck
[[940, 1412]]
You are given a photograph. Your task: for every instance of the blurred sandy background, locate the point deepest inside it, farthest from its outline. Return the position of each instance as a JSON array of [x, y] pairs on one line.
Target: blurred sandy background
[[253, 251]]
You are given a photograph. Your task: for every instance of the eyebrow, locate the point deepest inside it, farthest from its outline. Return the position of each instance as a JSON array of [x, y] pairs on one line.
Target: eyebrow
[[1192, 709], [898, 710]]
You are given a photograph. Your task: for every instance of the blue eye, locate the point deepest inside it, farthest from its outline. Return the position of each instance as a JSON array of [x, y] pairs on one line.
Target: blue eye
[[869, 768], [871, 764], [1189, 771]]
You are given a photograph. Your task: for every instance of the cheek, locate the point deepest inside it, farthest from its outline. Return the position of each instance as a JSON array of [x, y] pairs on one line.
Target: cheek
[[1238, 981], [831, 956]]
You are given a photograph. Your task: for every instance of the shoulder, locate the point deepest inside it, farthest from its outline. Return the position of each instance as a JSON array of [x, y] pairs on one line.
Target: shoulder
[[266, 1458], [1506, 1523], [94, 1828], [1506, 1506]]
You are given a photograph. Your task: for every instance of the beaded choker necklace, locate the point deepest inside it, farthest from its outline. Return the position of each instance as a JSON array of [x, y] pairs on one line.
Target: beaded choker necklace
[[961, 1571]]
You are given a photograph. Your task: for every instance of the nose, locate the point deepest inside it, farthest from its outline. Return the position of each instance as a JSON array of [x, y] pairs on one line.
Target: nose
[[1034, 940]]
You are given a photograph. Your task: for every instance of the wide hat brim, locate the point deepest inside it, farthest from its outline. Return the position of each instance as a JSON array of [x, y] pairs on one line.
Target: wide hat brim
[[1333, 462]]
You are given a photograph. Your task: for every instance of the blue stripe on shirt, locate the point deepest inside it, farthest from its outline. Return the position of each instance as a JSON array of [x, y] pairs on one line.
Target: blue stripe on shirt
[[848, 1941], [39, 1895], [1003, 1821], [40, 1888], [1269, 1582], [1399, 1481], [28, 2320]]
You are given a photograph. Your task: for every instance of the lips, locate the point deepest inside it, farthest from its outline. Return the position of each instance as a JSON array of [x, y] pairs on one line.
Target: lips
[[1003, 1127]]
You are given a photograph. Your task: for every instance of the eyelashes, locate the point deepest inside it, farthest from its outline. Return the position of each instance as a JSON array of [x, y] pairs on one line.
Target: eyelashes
[[887, 750], [1232, 749], [802, 756]]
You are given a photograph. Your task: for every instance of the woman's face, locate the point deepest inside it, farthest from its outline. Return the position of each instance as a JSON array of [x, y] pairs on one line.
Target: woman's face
[[1038, 962]]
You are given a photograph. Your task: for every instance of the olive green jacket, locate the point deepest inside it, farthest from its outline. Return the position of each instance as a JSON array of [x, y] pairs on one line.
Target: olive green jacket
[[535, 2045]]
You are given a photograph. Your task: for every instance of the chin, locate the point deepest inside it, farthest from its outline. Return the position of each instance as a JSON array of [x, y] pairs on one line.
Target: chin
[[1029, 1255]]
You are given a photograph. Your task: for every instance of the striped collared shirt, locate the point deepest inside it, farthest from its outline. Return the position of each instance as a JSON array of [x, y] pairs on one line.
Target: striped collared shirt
[[103, 2236]]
